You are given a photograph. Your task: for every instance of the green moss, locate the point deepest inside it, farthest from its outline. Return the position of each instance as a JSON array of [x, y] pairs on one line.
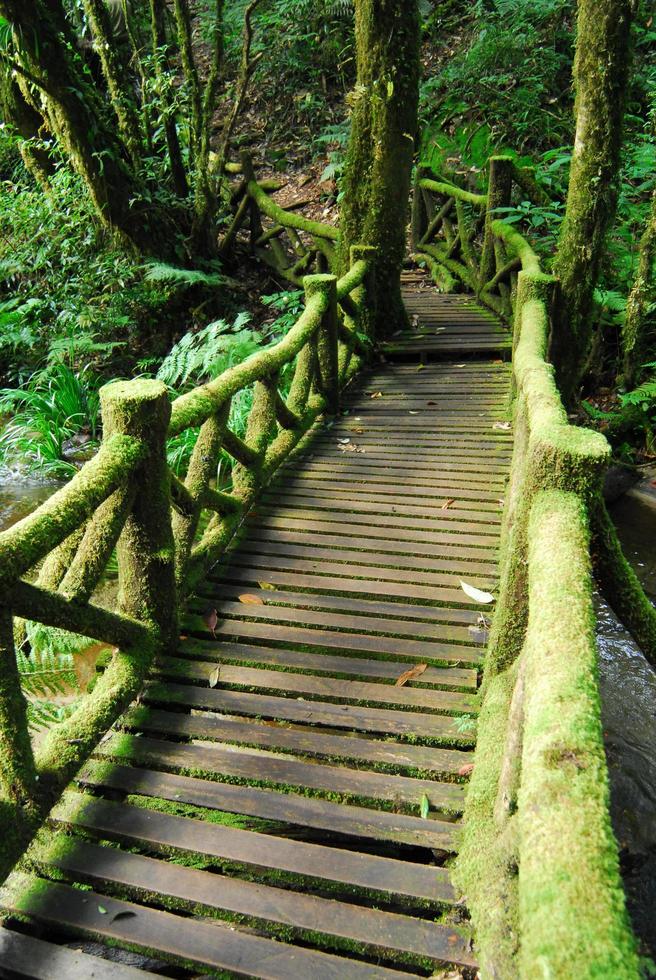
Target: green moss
[[573, 920], [601, 69]]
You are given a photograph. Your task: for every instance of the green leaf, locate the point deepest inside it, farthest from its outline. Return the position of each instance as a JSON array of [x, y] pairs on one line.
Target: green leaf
[[424, 807]]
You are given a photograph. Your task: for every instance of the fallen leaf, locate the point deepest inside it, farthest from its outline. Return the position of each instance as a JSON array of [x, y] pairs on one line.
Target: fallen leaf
[[123, 915], [501, 425], [251, 600], [448, 503], [183, 636], [377, 394], [343, 442], [476, 594], [415, 320], [466, 770], [424, 806], [409, 675], [211, 618], [420, 367], [102, 910], [431, 403], [413, 413], [358, 432], [267, 586], [214, 677]]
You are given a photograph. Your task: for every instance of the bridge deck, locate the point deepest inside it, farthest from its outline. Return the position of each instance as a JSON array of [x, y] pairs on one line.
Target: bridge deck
[[446, 324], [279, 803]]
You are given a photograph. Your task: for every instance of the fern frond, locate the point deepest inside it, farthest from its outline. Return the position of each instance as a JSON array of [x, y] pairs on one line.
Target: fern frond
[[162, 272], [644, 395]]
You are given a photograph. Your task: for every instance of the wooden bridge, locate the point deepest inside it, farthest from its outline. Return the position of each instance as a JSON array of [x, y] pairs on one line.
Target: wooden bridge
[[281, 791]]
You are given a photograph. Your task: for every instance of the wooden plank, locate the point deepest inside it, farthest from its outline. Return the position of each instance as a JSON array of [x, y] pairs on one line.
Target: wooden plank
[[337, 690], [390, 507], [320, 863], [300, 740], [438, 530], [345, 536], [181, 939], [26, 956], [371, 573], [356, 495], [323, 663], [265, 767], [311, 617], [441, 729], [420, 650], [339, 551], [374, 487], [356, 467], [361, 605], [325, 919], [341, 584], [348, 820]]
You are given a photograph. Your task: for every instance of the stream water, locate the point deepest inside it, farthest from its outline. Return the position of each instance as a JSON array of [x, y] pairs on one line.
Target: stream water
[[628, 691], [628, 698]]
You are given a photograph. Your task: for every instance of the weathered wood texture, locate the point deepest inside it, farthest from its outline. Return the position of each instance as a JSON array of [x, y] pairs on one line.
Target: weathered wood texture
[[447, 325], [275, 804]]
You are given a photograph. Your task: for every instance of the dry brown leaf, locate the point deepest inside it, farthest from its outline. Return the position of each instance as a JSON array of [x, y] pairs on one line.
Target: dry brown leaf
[[466, 770], [211, 618], [251, 600], [214, 677], [267, 586], [431, 403], [376, 394], [409, 675], [448, 503], [504, 426], [358, 432]]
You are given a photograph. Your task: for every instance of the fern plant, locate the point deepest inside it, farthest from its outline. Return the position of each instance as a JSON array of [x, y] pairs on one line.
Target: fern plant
[[162, 272], [54, 414], [47, 673]]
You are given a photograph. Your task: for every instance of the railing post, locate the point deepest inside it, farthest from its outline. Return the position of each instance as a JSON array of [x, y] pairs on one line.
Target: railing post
[[419, 215], [254, 213], [327, 339], [17, 772], [147, 589], [498, 196], [366, 295]]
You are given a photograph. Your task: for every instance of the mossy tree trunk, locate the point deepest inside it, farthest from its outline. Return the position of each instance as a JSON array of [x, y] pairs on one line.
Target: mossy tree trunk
[[640, 323], [72, 110], [600, 76], [381, 147]]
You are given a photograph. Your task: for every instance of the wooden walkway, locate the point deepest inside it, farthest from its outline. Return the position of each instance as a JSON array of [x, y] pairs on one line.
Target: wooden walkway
[[284, 799]]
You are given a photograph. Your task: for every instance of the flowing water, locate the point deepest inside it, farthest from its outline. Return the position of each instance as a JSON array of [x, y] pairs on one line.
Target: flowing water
[[628, 691], [628, 694]]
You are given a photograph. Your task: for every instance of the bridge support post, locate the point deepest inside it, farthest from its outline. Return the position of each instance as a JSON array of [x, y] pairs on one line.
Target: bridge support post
[[17, 772], [366, 295], [498, 196], [146, 549], [419, 213], [327, 339]]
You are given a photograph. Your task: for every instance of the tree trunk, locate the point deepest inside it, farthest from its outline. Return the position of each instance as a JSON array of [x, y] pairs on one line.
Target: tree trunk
[[600, 76], [27, 122], [640, 322], [380, 152]]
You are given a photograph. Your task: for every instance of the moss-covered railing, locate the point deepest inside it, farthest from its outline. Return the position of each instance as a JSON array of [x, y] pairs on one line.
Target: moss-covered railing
[[289, 243], [461, 237], [167, 531], [539, 861]]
